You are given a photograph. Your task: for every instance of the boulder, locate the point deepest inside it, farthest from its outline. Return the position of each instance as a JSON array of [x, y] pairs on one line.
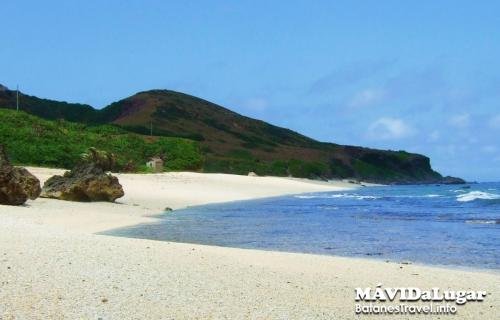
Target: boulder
[[17, 185], [87, 182]]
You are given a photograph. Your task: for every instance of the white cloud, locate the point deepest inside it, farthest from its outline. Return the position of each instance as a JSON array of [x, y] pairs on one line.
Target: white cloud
[[389, 128], [460, 120], [495, 122], [256, 104], [367, 97]]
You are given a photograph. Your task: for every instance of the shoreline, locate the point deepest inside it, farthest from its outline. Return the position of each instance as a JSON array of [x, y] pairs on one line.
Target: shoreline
[[91, 276], [491, 271], [53, 265], [157, 218], [147, 196]]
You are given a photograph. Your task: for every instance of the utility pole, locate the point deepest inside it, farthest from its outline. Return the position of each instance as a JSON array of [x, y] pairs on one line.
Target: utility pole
[[17, 98]]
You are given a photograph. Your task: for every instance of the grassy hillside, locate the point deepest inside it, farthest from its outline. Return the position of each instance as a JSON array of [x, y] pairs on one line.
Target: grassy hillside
[[234, 143], [34, 141], [228, 142]]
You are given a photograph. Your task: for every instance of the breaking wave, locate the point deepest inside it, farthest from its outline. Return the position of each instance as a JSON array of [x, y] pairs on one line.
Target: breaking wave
[[492, 221], [363, 197], [334, 196], [477, 195], [307, 197]]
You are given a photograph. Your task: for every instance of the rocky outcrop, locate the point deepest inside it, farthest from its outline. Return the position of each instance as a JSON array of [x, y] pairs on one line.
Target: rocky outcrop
[[17, 185], [87, 182], [452, 180]]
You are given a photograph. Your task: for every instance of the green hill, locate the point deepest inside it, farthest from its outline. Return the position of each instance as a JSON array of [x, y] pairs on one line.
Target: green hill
[[49, 109], [34, 141], [232, 143]]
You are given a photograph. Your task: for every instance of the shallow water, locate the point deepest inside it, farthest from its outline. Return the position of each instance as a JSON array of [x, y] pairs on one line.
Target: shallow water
[[444, 225]]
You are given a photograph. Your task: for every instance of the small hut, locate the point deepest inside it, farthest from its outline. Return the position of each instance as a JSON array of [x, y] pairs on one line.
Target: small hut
[[155, 163]]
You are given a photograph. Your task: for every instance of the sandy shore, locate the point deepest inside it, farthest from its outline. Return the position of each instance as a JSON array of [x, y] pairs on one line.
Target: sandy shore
[[147, 195], [52, 266]]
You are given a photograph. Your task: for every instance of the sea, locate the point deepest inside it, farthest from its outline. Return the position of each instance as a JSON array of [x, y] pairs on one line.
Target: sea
[[446, 225]]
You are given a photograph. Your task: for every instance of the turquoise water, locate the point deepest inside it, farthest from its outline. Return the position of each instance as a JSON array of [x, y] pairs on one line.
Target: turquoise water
[[444, 225]]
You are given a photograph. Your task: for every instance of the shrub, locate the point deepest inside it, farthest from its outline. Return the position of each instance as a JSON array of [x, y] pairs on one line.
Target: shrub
[[34, 141]]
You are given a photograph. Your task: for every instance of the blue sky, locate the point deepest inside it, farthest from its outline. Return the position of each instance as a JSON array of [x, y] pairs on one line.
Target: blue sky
[[423, 76]]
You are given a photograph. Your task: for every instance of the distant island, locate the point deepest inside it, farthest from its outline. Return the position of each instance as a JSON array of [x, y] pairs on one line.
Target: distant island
[[190, 134]]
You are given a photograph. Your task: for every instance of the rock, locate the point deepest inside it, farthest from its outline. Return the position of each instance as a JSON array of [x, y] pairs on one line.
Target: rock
[[252, 174], [17, 185], [87, 182], [452, 180]]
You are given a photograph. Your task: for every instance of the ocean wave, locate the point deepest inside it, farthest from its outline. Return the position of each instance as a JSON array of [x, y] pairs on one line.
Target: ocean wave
[[478, 221], [353, 196], [364, 197], [335, 196], [477, 195], [415, 196], [328, 208]]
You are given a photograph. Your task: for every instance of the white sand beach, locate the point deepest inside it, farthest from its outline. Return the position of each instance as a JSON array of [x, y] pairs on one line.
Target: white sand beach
[[54, 266]]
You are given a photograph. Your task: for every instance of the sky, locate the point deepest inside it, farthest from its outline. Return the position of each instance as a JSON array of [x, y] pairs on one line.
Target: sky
[[421, 76]]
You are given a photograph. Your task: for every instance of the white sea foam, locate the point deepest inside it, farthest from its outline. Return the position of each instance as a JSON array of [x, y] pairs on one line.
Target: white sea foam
[[362, 197], [335, 196], [352, 196], [475, 195], [416, 196], [482, 221]]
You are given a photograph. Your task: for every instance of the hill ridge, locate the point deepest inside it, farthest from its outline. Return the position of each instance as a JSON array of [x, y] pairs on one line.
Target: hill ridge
[[234, 143]]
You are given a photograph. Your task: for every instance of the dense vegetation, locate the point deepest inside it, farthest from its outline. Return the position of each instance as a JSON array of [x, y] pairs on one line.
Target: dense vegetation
[[34, 141], [49, 109], [241, 162]]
